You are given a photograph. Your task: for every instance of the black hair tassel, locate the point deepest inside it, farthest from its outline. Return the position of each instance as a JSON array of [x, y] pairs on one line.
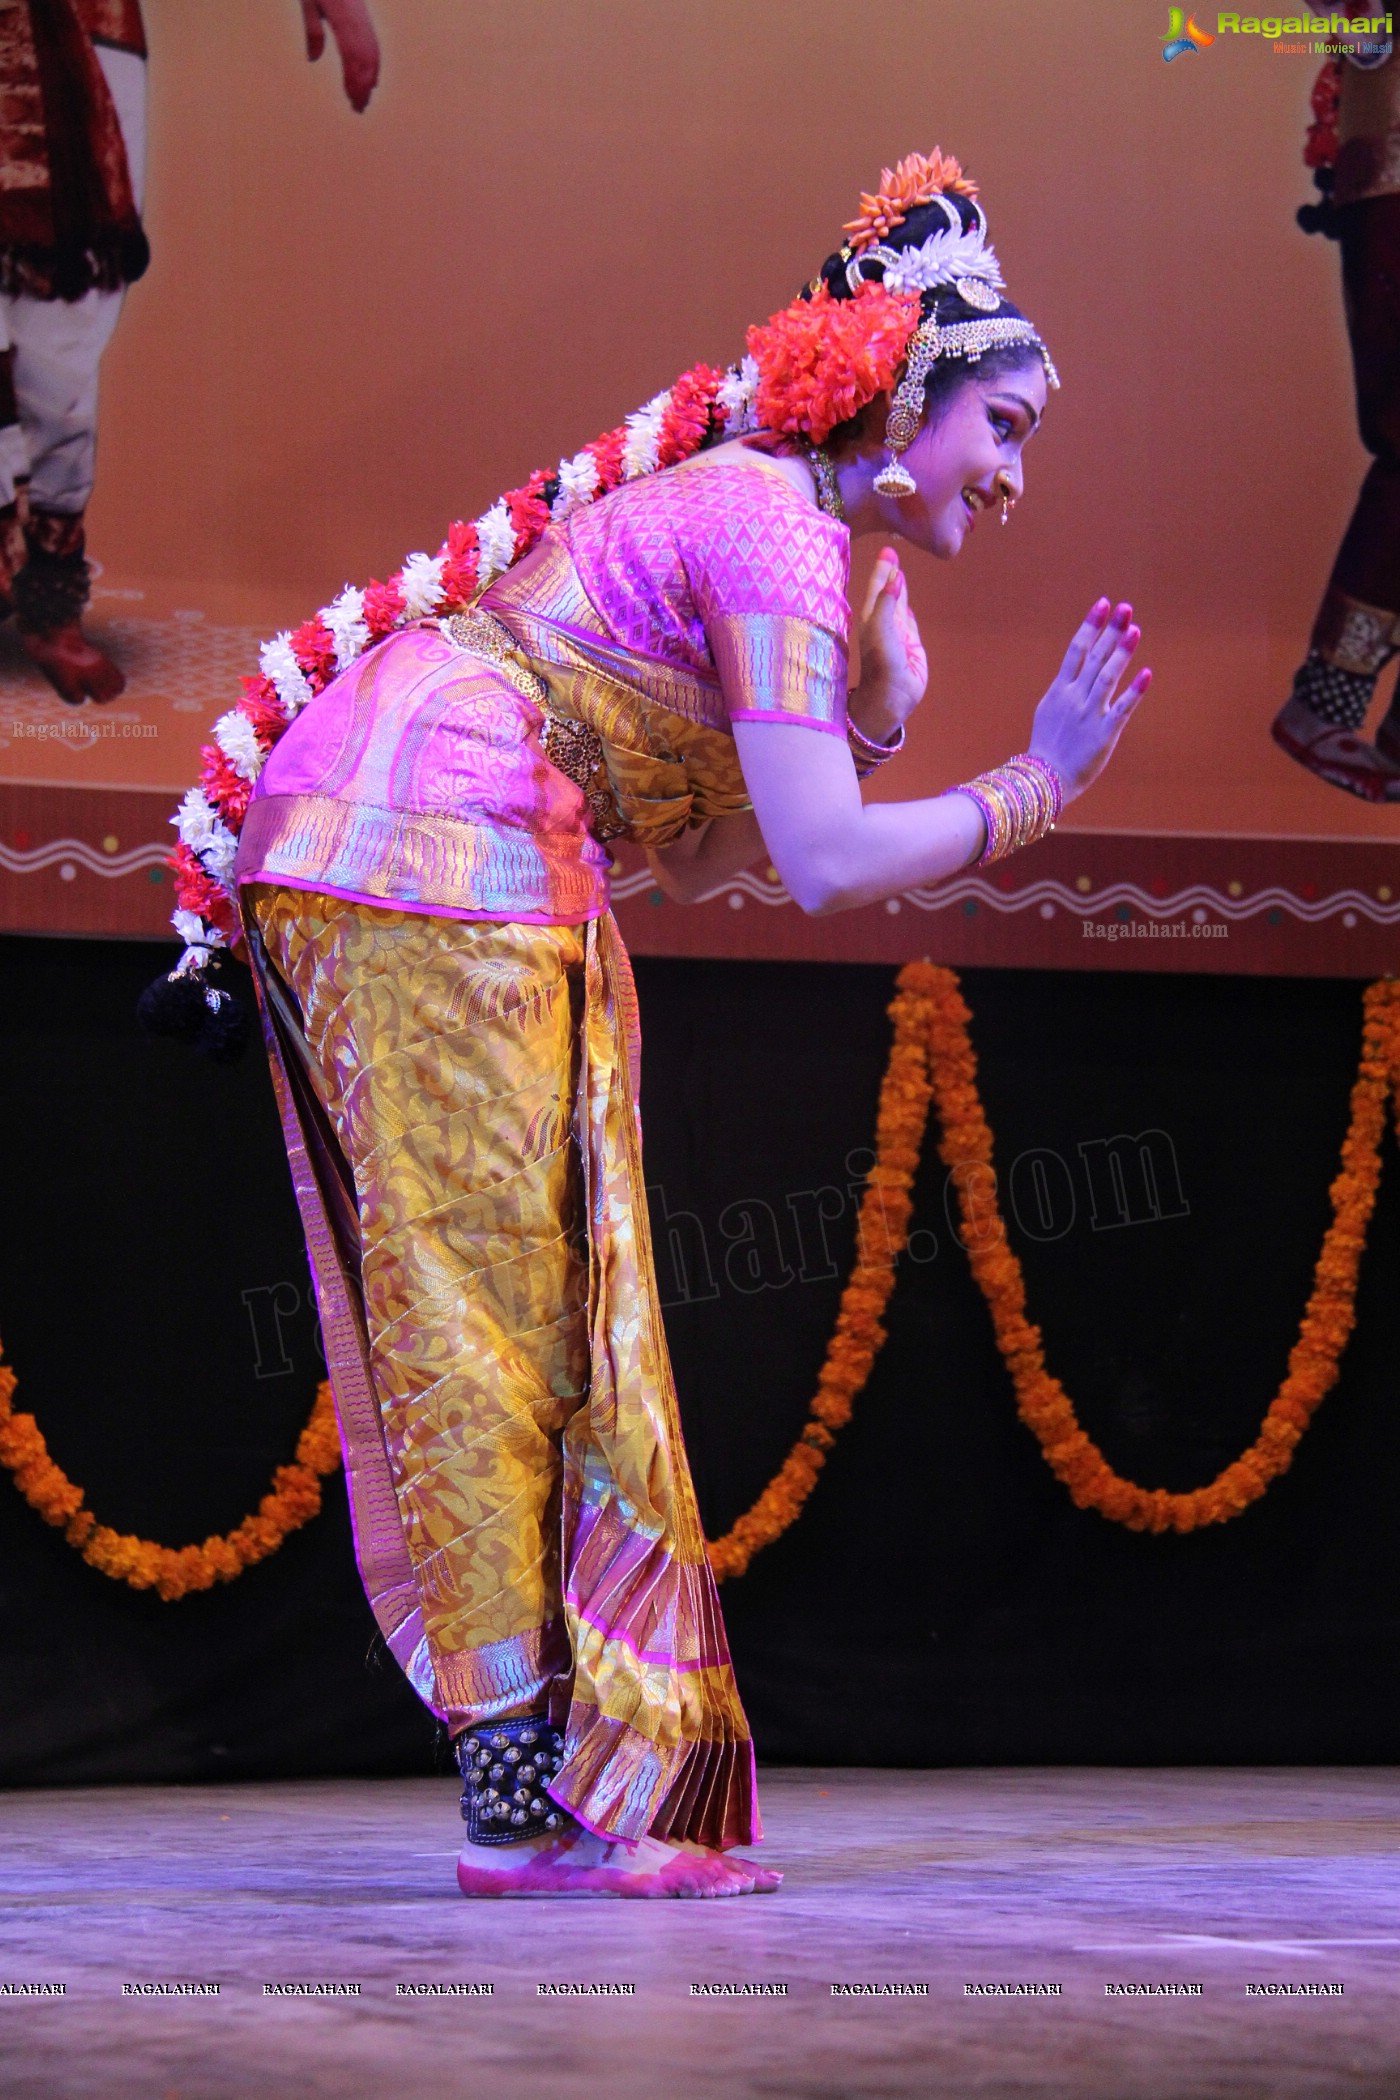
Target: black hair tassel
[[189, 1007]]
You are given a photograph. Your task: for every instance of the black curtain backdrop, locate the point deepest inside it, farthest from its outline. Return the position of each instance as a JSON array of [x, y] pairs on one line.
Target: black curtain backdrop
[[941, 1600]]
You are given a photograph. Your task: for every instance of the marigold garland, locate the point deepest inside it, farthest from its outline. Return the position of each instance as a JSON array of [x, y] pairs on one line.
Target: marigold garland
[[1041, 1400], [931, 1062], [171, 1571], [881, 1234]]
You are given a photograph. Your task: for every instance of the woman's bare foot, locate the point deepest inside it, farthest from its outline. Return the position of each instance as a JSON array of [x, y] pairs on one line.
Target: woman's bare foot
[[1338, 756], [74, 666], [575, 1863]]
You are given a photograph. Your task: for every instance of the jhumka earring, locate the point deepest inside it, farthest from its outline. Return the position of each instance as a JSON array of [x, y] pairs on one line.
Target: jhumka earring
[[907, 411]]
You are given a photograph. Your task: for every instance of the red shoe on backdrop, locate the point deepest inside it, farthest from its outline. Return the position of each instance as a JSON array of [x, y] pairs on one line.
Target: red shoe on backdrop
[[1338, 756], [74, 666]]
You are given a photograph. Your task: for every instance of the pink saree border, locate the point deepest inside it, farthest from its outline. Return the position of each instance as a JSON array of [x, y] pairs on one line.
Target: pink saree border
[[381, 1552]]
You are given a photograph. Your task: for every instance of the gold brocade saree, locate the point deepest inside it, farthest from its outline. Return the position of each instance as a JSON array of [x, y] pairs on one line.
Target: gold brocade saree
[[459, 1104], [452, 1027]]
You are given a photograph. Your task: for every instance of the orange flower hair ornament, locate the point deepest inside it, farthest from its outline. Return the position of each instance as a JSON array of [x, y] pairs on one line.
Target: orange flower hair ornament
[[915, 180]]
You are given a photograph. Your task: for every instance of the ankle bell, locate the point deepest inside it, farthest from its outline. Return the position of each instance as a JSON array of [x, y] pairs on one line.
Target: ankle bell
[[506, 1767]]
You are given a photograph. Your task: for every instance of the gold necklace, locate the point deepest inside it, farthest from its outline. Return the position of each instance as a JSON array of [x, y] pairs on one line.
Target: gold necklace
[[824, 475]]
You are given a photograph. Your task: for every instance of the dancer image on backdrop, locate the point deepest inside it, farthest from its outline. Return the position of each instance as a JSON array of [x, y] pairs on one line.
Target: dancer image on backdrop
[[72, 181], [1354, 150], [413, 803]]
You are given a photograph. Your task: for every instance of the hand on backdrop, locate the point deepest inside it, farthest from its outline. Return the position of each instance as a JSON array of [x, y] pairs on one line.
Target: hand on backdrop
[[353, 29], [893, 663]]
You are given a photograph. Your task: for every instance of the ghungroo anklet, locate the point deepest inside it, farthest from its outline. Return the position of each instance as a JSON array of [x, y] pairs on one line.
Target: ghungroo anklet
[[505, 1766]]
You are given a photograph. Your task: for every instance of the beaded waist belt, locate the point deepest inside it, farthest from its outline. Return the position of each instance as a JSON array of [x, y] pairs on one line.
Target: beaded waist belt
[[571, 747]]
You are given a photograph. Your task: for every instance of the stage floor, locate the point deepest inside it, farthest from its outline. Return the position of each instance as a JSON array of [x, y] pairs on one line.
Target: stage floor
[[1080, 1879]]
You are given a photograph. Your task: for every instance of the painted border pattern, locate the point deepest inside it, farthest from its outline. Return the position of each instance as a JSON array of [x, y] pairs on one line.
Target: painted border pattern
[[54, 852], [91, 862], [1199, 897]]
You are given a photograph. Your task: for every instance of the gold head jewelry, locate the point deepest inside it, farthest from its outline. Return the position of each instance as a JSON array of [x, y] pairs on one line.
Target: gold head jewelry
[[929, 342]]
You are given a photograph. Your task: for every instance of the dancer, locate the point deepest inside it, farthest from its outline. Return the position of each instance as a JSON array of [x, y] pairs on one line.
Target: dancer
[[1354, 150], [72, 178], [647, 643]]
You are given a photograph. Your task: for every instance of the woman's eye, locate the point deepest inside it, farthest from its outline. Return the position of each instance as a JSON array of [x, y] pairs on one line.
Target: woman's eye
[[1003, 425]]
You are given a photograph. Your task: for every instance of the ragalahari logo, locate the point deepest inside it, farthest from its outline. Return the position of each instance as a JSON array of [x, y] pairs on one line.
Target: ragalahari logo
[[1183, 35]]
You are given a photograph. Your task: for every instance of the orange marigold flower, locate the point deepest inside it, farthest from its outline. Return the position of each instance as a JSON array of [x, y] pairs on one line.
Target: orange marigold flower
[[916, 180]]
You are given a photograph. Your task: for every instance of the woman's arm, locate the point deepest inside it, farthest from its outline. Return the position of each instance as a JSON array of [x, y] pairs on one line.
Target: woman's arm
[[894, 676], [833, 852]]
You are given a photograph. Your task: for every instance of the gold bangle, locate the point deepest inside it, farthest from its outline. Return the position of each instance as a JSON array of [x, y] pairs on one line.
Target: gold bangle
[[1020, 802]]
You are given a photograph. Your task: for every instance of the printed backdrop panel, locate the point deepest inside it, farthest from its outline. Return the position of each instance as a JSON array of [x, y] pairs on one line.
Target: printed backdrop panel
[[357, 327]]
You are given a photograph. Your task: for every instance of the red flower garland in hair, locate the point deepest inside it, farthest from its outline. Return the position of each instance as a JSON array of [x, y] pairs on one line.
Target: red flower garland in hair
[[822, 359]]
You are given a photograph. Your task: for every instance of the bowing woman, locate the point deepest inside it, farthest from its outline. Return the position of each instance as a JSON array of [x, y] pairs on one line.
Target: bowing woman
[[413, 807]]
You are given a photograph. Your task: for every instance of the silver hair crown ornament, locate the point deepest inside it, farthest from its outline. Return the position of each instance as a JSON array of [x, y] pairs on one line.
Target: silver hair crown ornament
[[954, 254], [929, 342]]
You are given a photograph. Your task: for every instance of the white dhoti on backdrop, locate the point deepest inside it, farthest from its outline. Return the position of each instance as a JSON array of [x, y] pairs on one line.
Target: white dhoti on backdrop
[[58, 346]]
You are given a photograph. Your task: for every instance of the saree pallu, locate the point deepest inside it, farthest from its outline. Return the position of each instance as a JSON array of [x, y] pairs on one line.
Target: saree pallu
[[459, 1101]]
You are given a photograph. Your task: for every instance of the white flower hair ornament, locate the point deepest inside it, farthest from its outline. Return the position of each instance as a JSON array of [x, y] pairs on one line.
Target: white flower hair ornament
[[964, 260], [954, 255]]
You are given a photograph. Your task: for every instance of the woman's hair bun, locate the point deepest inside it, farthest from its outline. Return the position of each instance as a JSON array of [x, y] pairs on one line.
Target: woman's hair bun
[[914, 229]]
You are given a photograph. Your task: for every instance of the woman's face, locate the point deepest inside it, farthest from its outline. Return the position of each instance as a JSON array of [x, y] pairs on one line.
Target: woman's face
[[962, 462]]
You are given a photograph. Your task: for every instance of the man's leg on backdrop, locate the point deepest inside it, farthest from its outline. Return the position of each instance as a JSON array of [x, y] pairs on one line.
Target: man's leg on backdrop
[[1369, 561], [48, 441], [14, 474], [1357, 630], [57, 347]]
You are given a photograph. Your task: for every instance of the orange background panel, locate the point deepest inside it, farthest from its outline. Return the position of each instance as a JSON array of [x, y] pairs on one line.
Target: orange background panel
[[355, 329]]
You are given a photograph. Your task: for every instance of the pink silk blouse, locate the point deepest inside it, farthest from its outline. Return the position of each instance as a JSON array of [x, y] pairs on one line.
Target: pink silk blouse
[[428, 775]]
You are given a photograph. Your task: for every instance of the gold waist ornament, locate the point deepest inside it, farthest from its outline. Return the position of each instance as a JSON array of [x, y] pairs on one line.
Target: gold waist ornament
[[571, 747]]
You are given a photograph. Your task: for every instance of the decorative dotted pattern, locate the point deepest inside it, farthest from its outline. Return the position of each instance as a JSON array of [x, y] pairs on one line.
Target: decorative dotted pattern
[[1333, 695], [974, 891]]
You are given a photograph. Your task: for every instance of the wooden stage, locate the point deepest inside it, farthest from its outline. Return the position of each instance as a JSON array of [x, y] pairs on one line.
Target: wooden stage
[[1275, 1892]]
